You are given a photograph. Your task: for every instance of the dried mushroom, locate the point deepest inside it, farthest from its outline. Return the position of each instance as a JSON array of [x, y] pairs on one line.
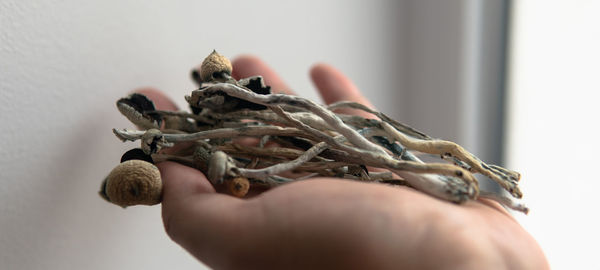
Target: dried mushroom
[[295, 139]]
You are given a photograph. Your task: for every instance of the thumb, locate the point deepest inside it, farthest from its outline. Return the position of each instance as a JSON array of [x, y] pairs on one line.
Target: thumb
[[334, 86], [202, 221]]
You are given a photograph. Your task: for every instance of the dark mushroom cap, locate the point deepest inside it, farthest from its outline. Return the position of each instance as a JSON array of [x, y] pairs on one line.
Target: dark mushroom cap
[[136, 108], [136, 153]]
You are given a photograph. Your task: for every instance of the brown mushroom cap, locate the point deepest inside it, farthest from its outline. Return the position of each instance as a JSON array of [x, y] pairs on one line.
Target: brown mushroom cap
[[238, 186], [134, 182], [214, 63]]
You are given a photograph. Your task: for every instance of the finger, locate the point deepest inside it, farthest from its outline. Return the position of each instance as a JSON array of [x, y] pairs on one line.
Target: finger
[[180, 181], [203, 222], [246, 65], [334, 86], [161, 101]]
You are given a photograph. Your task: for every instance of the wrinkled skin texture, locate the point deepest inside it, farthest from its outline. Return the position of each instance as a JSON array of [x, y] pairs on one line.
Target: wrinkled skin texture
[[327, 223]]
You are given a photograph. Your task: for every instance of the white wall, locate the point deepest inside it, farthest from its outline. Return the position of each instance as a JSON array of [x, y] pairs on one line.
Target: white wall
[[63, 64], [553, 125]]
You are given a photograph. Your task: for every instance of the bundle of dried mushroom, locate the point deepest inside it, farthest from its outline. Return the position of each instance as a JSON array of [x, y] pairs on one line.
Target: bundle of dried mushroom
[[295, 139]]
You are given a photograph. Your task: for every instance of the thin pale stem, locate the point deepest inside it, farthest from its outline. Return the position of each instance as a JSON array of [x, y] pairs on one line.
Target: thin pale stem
[[447, 148], [264, 173], [401, 127], [133, 135]]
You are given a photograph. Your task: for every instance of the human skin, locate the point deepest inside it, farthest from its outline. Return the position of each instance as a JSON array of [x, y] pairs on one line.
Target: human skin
[[328, 223]]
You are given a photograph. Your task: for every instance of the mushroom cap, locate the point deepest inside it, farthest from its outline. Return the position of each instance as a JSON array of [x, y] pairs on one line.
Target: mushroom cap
[[136, 153], [133, 182], [134, 107], [238, 186], [214, 63], [217, 167]]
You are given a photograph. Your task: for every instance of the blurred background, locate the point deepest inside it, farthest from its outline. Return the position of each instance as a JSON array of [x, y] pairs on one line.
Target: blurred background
[[515, 82]]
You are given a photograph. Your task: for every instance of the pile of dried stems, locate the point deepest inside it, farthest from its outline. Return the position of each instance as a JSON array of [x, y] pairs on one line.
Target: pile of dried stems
[[294, 139]]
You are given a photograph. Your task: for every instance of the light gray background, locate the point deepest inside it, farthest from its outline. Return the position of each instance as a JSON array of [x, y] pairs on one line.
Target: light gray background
[[552, 125], [63, 64]]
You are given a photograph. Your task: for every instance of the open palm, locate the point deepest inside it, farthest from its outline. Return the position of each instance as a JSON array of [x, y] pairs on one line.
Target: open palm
[[333, 223]]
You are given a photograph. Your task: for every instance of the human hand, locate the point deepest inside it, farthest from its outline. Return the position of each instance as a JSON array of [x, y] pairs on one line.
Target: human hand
[[334, 223]]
